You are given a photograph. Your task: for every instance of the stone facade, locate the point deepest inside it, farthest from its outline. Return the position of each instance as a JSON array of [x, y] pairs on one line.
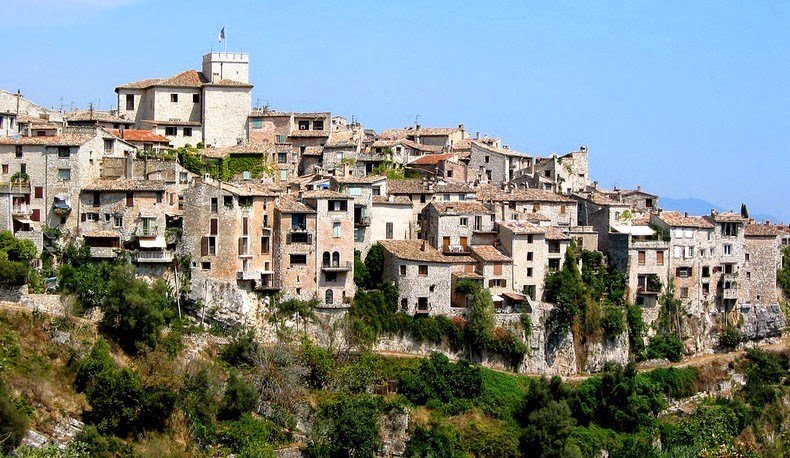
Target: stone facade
[[421, 274]]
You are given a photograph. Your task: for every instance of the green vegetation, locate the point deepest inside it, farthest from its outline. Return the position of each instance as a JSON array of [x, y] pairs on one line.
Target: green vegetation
[[15, 257], [783, 275], [13, 421], [223, 169]]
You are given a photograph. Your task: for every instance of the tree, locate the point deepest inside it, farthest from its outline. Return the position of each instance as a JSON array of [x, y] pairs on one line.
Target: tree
[[481, 319], [374, 262], [548, 430], [297, 309], [240, 397], [744, 211], [355, 424], [438, 441], [13, 422], [134, 312], [361, 275]]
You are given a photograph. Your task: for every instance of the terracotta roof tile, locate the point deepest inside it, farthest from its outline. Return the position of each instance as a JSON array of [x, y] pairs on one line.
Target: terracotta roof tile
[[460, 208], [243, 148], [289, 204], [407, 186], [396, 200], [124, 184], [727, 217], [489, 193], [414, 250], [136, 135], [431, 159], [325, 194], [426, 131], [761, 230], [676, 219], [488, 253], [68, 139], [95, 115]]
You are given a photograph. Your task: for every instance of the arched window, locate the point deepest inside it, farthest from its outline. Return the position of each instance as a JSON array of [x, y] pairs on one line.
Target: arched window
[[336, 259], [326, 258], [330, 296]]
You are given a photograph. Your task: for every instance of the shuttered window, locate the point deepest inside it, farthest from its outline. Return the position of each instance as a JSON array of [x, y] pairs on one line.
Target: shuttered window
[[214, 224]]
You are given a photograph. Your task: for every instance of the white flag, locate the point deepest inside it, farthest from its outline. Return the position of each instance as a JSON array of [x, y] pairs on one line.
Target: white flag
[[221, 35]]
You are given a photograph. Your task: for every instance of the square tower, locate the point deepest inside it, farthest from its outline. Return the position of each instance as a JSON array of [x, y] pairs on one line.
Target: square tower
[[234, 66]]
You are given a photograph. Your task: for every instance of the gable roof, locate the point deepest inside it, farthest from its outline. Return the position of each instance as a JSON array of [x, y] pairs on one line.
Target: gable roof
[[460, 208], [521, 195], [431, 159], [187, 79], [488, 253], [124, 184], [414, 250], [677, 219], [138, 135]]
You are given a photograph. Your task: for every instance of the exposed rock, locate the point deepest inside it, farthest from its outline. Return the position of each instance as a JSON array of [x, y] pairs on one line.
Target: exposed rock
[[762, 321], [34, 439], [394, 432]]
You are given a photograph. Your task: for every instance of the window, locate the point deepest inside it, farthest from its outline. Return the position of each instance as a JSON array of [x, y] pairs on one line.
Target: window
[[187, 131], [108, 142], [174, 97], [330, 296], [338, 205], [404, 304], [423, 270], [227, 201], [91, 216], [195, 98], [5, 168], [117, 221], [298, 259], [257, 123], [727, 250], [497, 282], [684, 292], [376, 190], [529, 238], [422, 304], [205, 265], [213, 226], [23, 169], [660, 258], [683, 272], [336, 229], [554, 265], [403, 270], [497, 269], [641, 257], [535, 207], [529, 271], [171, 131], [18, 150], [282, 158], [318, 125], [464, 222], [130, 101], [64, 151], [746, 257], [563, 209], [96, 199], [303, 125], [130, 199], [688, 252], [705, 271], [35, 215], [678, 252], [649, 203], [729, 229], [265, 244], [244, 246], [705, 289], [64, 174], [487, 159], [529, 255], [245, 226], [281, 139], [422, 198]]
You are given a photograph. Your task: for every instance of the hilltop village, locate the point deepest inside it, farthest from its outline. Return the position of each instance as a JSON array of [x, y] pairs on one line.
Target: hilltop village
[[242, 207]]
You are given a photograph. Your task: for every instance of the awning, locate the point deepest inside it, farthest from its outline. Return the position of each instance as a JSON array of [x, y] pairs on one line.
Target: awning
[[23, 219], [497, 298], [516, 297], [633, 230], [156, 242], [62, 201]]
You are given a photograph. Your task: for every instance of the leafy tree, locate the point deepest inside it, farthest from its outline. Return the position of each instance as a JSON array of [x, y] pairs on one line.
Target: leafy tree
[[355, 425], [13, 421], [636, 330], [667, 346], [439, 380], [565, 289], [134, 312], [98, 361], [297, 309], [480, 325], [744, 211], [438, 441], [547, 430], [319, 361], [240, 397], [241, 351], [612, 322], [783, 275], [199, 400], [361, 275], [374, 263], [18, 250]]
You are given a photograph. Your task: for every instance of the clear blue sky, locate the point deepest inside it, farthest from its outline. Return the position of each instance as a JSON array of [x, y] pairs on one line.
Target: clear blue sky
[[684, 98]]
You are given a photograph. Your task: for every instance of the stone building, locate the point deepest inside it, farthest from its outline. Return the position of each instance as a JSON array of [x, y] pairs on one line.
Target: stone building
[[496, 270], [422, 275], [422, 191], [602, 213], [535, 251], [97, 118], [390, 219], [642, 254], [514, 204], [639, 200], [211, 106], [570, 172], [762, 262], [341, 151], [452, 226], [363, 190], [16, 112], [443, 137], [143, 140], [48, 173], [125, 214], [496, 165], [444, 167]]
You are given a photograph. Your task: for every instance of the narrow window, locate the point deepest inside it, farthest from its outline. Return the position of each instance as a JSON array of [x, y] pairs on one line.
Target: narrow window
[[130, 199], [130, 101], [195, 98], [174, 97]]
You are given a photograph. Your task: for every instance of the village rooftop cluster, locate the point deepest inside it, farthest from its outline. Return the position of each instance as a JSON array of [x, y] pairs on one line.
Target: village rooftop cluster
[[320, 188]]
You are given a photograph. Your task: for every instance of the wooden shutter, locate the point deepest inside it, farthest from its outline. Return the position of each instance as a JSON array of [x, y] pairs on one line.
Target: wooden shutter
[[204, 246], [39, 190], [497, 269], [214, 223], [130, 199], [83, 217], [241, 245], [244, 225], [36, 216]]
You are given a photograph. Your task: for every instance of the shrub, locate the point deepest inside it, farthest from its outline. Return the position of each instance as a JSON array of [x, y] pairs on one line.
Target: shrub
[[547, 430], [667, 346], [354, 423], [480, 325], [730, 338], [97, 362], [252, 437], [440, 440], [13, 421], [374, 263], [612, 321], [240, 397], [241, 350], [199, 399], [439, 380], [674, 382], [636, 330], [99, 445]]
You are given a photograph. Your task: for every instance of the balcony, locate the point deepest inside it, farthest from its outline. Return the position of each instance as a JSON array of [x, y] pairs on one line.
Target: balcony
[[729, 293], [648, 244], [147, 231], [647, 290], [298, 228], [21, 210], [270, 284], [729, 277], [248, 275], [103, 252], [455, 249], [153, 256], [337, 267], [362, 221], [15, 188]]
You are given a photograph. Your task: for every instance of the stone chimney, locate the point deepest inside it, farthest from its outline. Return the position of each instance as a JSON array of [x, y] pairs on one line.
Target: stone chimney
[[639, 187], [461, 126], [686, 214], [477, 135]]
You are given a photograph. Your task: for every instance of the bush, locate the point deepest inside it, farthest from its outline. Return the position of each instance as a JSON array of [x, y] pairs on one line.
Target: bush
[[99, 445], [441, 440], [241, 350], [636, 330], [374, 264], [13, 421], [612, 321], [667, 346], [548, 430], [199, 399], [97, 362], [439, 380], [730, 338], [480, 325], [240, 397], [674, 382], [354, 424]]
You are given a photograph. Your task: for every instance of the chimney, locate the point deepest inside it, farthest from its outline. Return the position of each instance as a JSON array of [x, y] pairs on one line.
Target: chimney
[[461, 126], [418, 127], [639, 187], [686, 214], [424, 246], [477, 135]]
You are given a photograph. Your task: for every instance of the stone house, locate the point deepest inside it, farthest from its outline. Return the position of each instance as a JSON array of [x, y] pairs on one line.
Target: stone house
[[762, 262], [444, 137], [96, 118], [124, 214], [143, 140], [639, 200], [452, 226], [56, 169], [363, 190], [422, 191], [514, 204], [602, 213], [496, 270], [17, 111], [211, 106], [422, 275], [444, 167], [729, 257], [341, 151], [642, 255], [390, 219], [570, 172], [228, 231], [496, 165], [535, 251]]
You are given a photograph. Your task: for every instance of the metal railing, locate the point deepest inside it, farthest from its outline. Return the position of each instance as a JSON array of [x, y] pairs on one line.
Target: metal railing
[[153, 256]]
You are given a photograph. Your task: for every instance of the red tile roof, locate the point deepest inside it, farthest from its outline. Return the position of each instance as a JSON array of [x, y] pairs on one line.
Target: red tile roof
[[138, 135], [431, 159]]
